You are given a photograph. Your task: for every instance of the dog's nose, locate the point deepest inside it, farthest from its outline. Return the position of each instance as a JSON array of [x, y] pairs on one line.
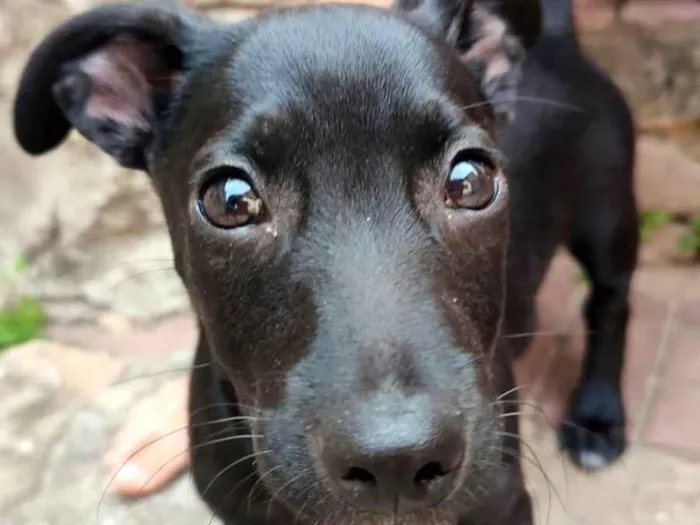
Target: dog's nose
[[396, 463]]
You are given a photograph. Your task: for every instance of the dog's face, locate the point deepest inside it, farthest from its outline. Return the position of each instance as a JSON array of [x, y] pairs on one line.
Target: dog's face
[[338, 215]]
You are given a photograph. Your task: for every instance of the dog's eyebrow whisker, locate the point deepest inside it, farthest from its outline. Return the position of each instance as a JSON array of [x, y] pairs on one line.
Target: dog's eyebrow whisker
[[228, 467], [524, 98]]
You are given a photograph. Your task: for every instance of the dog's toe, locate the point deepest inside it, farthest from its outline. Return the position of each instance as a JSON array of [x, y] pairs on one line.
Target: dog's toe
[[593, 433]]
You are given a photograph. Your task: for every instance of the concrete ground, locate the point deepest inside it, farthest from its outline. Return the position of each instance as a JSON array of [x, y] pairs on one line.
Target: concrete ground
[[61, 402]]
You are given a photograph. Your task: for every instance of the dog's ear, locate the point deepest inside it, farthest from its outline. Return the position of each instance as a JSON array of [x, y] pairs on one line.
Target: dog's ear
[[491, 36], [106, 72]]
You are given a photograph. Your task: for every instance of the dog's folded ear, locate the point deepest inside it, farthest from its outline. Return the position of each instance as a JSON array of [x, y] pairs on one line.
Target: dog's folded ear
[[106, 72], [491, 36]]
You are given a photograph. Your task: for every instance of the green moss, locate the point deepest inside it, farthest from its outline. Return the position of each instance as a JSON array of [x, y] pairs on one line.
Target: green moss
[[21, 322], [653, 220], [689, 242], [24, 318]]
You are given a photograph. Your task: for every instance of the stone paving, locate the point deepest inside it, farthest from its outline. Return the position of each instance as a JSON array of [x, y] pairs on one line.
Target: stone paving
[[61, 401]]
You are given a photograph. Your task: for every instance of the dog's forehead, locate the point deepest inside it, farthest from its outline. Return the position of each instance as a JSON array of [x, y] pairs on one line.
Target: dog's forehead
[[307, 81], [301, 48]]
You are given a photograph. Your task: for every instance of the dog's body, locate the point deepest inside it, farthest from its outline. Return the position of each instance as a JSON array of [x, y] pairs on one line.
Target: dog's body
[[357, 318]]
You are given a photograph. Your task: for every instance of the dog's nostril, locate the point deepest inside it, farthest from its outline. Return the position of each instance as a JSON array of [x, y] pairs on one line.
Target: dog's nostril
[[359, 475], [429, 472]]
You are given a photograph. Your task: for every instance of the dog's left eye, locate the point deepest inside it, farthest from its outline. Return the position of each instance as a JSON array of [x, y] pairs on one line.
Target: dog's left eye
[[229, 201], [472, 182]]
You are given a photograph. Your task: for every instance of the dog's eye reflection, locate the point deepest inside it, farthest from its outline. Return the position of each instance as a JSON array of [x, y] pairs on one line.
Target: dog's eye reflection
[[229, 201], [471, 184]]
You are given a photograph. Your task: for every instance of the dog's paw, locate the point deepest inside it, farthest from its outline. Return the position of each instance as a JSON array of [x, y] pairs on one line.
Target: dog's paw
[[593, 432]]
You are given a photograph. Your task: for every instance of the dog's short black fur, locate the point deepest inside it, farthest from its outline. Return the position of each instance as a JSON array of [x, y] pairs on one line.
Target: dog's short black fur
[[356, 255]]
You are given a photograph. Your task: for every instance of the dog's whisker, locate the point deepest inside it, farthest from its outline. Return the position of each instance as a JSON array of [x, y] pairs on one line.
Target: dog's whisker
[[260, 480], [150, 375], [228, 495], [538, 466], [534, 460], [228, 467], [232, 491], [309, 494], [323, 500], [187, 450], [275, 494], [141, 449], [230, 404], [509, 392], [549, 333]]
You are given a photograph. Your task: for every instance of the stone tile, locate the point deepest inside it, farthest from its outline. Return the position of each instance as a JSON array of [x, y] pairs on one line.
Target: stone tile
[[69, 464], [64, 367], [674, 421], [32, 412], [689, 309], [669, 284], [565, 354], [661, 249], [678, 190], [563, 279], [533, 367], [646, 487], [645, 337], [689, 312], [684, 354], [163, 337]]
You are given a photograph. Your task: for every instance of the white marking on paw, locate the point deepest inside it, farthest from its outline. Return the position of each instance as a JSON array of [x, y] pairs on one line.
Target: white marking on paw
[[592, 460]]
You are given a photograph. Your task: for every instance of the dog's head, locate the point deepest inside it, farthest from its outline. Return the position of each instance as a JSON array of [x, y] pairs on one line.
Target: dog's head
[[338, 214]]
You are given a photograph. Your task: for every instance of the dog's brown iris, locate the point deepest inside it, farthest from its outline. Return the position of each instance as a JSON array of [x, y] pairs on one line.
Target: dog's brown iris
[[471, 184], [230, 202]]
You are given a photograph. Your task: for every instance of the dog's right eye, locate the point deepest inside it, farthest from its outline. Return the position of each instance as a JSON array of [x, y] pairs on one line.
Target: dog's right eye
[[229, 201], [472, 182]]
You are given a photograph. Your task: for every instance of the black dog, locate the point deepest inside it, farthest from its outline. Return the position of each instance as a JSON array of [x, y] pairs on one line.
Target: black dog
[[353, 249]]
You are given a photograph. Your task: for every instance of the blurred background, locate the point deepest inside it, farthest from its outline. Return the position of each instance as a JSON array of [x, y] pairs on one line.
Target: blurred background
[[92, 317]]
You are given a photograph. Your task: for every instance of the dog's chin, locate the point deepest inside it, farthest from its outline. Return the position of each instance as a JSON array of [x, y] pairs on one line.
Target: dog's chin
[[430, 516]]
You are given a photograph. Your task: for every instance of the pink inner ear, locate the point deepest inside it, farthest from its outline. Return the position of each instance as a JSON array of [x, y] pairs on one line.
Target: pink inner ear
[[122, 75]]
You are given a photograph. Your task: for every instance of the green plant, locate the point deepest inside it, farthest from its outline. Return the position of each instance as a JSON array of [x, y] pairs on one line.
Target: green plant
[[21, 322], [653, 220], [23, 318], [689, 242]]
